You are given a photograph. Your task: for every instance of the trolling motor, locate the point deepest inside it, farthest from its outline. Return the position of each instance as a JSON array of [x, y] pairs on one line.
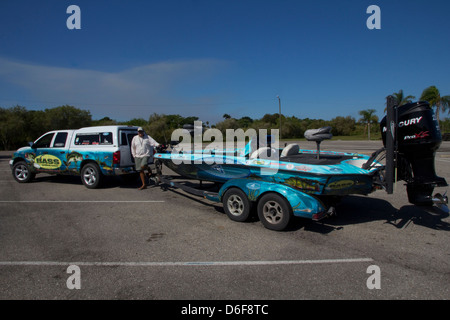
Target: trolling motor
[[411, 136]]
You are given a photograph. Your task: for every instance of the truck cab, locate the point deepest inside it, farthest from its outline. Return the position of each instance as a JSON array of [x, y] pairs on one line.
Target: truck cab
[[91, 152]]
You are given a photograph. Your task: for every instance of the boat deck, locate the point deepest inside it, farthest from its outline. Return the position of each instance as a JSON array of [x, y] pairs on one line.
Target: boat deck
[[311, 158]]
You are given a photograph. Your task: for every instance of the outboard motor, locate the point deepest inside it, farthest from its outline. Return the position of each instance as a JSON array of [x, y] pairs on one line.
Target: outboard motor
[[416, 138]]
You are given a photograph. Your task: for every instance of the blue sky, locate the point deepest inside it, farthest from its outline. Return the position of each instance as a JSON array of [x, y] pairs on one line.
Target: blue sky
[[209, 57]]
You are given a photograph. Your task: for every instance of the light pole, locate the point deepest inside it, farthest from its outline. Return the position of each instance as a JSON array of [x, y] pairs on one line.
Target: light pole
[[279, 111]]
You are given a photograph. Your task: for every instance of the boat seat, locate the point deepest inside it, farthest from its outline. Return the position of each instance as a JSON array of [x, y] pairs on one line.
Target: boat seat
[[262, 153], [290, 149], [318, 135]]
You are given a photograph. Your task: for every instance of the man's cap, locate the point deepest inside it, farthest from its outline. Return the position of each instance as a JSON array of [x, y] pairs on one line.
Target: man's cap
[[140, 129]]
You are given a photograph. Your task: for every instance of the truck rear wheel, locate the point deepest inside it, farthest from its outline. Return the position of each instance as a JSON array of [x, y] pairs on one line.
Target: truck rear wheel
[[91, 176], [274, 211], [236, 205]]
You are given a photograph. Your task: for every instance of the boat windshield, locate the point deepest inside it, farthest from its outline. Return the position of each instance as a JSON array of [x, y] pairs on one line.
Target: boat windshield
[[255, 143]]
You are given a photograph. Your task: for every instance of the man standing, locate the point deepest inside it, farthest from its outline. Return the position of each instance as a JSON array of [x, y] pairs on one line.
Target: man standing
[[142, 151]]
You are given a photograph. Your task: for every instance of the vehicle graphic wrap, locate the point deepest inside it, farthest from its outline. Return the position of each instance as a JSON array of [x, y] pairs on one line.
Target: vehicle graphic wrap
[[62, 162], [47, 161]]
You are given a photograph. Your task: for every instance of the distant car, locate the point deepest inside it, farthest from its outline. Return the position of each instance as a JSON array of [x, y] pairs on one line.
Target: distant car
[[91, 153]]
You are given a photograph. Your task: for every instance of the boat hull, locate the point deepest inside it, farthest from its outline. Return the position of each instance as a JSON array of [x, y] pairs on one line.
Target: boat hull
[[324, 180]]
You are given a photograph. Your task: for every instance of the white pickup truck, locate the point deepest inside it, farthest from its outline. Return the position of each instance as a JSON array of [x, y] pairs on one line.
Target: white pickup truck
[[91, 152]]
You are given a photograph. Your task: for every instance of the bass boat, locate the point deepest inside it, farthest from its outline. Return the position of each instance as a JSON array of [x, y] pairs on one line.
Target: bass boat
[[290, 181]]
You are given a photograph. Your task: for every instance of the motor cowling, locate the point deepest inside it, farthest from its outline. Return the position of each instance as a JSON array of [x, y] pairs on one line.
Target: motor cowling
[[417, 138]]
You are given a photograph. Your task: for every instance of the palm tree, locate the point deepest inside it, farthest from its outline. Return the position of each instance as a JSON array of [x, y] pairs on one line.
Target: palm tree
[[368, 116], [433, 96], [401, 99]]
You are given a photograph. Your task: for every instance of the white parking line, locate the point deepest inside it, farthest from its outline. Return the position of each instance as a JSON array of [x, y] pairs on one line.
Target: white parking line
[[80, 201], [183, 264]]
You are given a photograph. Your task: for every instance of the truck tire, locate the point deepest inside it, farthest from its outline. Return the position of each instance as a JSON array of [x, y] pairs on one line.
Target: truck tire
[[236, 205], [274, 212], [21, 172], [91, 175]]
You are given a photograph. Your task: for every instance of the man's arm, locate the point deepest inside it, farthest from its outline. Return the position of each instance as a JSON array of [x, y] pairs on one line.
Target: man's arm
[[133, 147], [153, 142]]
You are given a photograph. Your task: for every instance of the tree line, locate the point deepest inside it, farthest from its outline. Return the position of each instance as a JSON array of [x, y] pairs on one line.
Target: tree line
[[18, 125]]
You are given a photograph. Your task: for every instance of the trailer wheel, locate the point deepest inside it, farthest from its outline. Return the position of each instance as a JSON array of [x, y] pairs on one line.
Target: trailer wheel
[[274, 211], [236, 205]]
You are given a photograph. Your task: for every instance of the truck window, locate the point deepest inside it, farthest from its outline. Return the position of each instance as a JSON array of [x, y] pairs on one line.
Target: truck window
[[126, 136], [106, 138], [87, 139], [123, 138], [130, 137], [60, 140], [45, 141]]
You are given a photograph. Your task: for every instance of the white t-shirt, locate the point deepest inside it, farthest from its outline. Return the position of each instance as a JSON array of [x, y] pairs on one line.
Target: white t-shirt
[[143, 147]]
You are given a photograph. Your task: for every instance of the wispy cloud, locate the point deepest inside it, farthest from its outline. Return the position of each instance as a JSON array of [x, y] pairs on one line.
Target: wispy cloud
[[163, 87]]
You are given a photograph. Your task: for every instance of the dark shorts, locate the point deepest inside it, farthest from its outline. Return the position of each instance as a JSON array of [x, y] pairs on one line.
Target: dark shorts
[[141, 162]]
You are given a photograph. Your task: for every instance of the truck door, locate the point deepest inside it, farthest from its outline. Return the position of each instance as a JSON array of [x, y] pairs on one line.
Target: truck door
[[60, 149], [126, 159], [51, 152]]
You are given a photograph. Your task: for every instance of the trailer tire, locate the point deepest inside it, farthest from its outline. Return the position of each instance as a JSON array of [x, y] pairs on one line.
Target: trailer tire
[[236, 205], [274, 212]]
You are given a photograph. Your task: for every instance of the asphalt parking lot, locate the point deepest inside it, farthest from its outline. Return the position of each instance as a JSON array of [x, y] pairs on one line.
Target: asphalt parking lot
[[166, 245]]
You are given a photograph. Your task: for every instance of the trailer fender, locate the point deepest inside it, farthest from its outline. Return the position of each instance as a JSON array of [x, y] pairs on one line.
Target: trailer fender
[[303, 205]]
